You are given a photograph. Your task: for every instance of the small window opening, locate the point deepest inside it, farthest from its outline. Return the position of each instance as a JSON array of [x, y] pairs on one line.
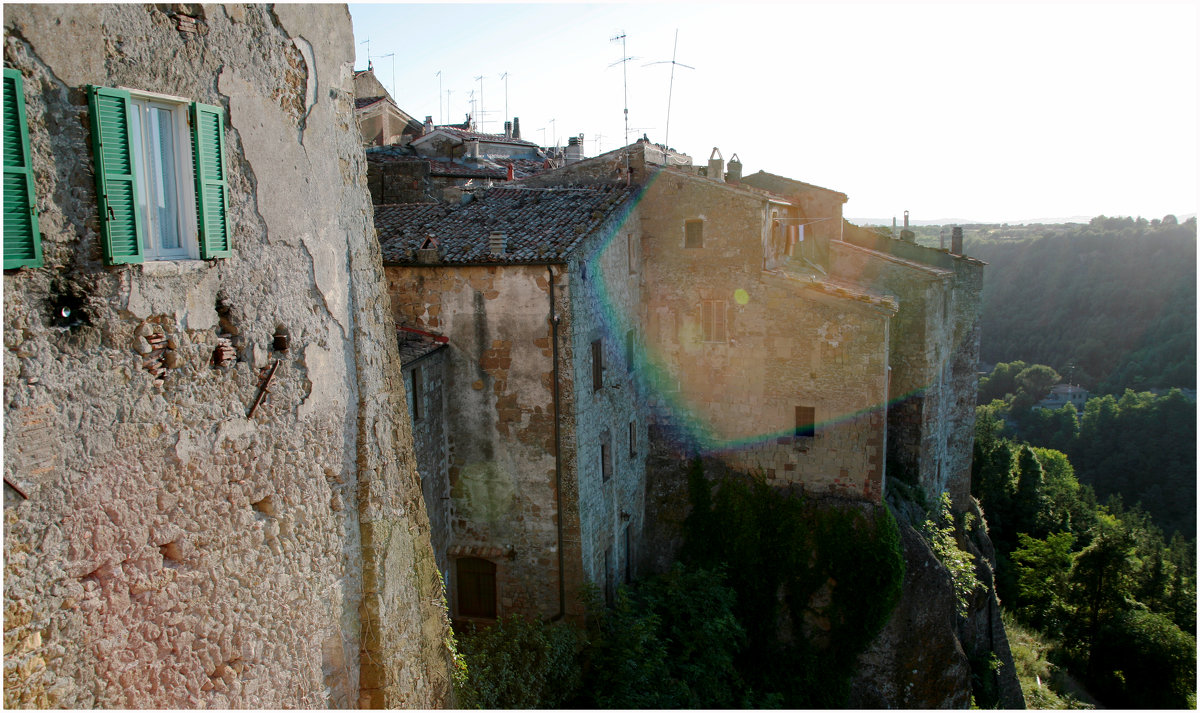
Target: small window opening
[[476, 588], [713, 320], [693, 234], [597, 365]]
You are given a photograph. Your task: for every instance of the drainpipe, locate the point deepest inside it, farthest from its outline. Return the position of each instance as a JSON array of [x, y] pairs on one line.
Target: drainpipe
[[562, 582]]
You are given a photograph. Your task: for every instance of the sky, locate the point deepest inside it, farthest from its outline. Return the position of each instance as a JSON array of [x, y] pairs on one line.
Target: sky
[[964, 112]]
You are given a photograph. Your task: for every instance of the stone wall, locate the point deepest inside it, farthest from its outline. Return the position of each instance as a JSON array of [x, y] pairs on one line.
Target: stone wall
[[399, 182], [784, 344], [430, 429], [500, 407], [167, 551], [605, 276]]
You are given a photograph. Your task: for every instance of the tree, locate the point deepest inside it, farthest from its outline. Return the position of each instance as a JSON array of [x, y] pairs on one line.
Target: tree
[[1037, 381], [1027, 502], [1101, 578], [1043, 570]]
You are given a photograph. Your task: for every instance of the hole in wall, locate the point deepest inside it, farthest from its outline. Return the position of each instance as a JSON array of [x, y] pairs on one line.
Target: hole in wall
[[279, 342], [265, 506], [172, 553], [67, 305]]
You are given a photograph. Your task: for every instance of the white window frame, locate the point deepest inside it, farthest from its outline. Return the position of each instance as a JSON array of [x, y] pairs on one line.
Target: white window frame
[[185, 182]]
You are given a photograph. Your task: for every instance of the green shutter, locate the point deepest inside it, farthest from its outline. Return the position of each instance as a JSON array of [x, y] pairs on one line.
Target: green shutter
[[212, 201], [22, 241], [116, 186]]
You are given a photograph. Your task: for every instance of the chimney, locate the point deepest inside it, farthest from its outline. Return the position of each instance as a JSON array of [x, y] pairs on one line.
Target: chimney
[[510, 172], [574, 150], [735, 170], [508, 130], [497, 241], [716, 165], [956, 241], [906, 220], [473, 148], [428, 124], [516, 127]]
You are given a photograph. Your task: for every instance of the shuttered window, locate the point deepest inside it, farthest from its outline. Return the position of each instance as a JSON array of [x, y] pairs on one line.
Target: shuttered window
[[22, 241], [212, 189], [161, 180], [712, 319], [116, 183]]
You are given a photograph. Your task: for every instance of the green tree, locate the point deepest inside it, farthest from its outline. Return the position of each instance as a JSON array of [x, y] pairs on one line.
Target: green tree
[[1101, 578], [1028, 501], [519, 663], [1037, 380], [1043, 569]]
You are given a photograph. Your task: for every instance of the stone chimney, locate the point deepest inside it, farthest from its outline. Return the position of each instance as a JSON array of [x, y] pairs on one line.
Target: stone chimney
[[574, 150], [956, 240], [497, 243], [716, 165], [516, 127], [735, 170], [508, 130], [428, 124], [473, 148]]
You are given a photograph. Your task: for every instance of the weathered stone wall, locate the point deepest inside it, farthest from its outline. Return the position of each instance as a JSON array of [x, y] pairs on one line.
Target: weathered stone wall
[[787, 344], [430, 429], [934, 354], [172, 552], [499, 402], [605, 283], [399, 182]]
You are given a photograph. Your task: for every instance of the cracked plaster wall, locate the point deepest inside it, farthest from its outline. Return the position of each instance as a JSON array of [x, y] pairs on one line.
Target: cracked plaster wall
[[165, 550]]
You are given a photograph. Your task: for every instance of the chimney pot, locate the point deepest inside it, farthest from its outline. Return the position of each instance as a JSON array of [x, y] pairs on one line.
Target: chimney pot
[[516, 127], [497, 243], [508, 130], [716, 165], [735, 169], [956, 241]]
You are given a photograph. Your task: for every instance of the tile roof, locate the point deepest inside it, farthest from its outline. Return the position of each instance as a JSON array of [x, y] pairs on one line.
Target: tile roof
[[415, 344], [497, 169], [784, 185], [465, 135], [541, 224], [363, 102]]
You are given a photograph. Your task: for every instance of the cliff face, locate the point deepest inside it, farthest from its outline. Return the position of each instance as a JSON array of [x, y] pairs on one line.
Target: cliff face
[[923, 657], [162, 548]]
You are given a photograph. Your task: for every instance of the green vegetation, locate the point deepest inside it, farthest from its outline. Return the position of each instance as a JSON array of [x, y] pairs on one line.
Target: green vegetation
[[769, 609], [814, 582], [961, 564], [1111, 304], [1141, 446], [1099, 580]]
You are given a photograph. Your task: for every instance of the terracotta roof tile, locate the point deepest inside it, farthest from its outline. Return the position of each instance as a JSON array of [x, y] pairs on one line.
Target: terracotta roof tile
[[540, 224]]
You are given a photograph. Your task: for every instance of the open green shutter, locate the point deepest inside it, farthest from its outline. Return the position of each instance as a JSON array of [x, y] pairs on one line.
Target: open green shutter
[[22, 241], [116, 186], [212, 201]]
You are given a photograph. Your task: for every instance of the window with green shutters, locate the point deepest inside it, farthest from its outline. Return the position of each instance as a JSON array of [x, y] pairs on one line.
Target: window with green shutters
[[160, 176], [22, 241]]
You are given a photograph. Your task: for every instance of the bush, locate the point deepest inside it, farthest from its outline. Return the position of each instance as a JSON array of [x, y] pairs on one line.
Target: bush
[[1144, 661], [518, 663]]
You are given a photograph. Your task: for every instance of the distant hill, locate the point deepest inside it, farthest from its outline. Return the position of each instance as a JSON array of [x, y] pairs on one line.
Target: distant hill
[[1079, 219], [1112, 302]]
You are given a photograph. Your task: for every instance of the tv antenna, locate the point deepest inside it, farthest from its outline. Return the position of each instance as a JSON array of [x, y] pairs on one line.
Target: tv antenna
[[367, 42], [625, 59], [504, 76], [393, 56], [671, 86], [441, 117], [480, 80]]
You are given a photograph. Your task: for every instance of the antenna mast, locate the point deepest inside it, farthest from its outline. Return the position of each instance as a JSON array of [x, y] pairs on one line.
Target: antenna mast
[[480, 80], [441, 117], [671, 86], [504, 76], [625, 76]]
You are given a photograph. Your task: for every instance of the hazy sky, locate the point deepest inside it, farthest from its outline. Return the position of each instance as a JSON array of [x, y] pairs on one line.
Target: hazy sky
[[990, 112]]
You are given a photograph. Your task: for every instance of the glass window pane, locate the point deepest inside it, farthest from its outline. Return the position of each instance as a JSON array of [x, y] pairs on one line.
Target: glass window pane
[[139, 171], [166, 195]]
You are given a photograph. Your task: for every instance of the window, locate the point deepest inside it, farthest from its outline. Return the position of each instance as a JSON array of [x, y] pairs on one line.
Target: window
[[712, 318], [22, 240], [476, 588], [693, 234], [415, 391], [806, 422], [631, 246], [632, 438], [160, 176], [630, 345], [605, 457], [597, 365]]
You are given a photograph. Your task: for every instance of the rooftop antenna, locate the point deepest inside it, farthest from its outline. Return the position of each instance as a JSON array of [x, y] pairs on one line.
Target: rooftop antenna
[[480, 80], [471, 99], [554, 133], [671, 86], [441, 119], [504, 76], [448, 93], [367, 42], [598, 137], [625, 75], [393, 56]]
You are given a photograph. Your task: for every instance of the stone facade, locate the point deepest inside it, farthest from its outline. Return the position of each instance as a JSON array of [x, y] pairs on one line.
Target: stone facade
[[162, 548]]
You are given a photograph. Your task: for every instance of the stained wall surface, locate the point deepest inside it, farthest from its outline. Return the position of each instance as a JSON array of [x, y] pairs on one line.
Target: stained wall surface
[[740, 353], [165, 549]]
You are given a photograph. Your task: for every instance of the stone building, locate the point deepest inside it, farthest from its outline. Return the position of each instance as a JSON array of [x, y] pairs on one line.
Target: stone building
[[533, 290], [211, 496], [381, 122]]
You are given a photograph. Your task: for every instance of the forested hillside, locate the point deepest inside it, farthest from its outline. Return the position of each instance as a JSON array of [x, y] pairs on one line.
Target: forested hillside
[[1110, 305]]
